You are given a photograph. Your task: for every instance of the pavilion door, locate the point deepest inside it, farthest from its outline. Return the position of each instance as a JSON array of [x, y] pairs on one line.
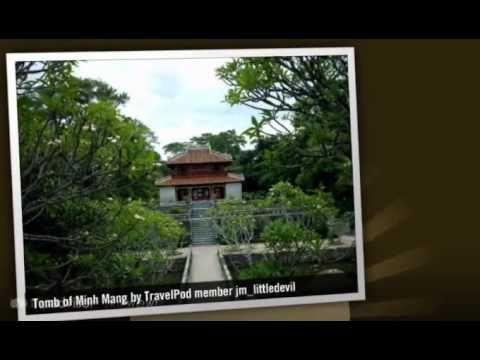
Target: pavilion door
[[199, 194], [182, 194]]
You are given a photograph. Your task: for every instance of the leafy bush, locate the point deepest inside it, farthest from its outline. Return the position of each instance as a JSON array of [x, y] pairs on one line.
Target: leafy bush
[[87, 184], [263, 270], [315, 210], [234, 223], [114, 243], [176, 211], [126, 268], [289, 244], [258, 195], [144, 228]]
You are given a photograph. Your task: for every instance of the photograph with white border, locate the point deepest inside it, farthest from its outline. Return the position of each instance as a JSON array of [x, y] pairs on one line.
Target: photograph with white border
[[154, 182]]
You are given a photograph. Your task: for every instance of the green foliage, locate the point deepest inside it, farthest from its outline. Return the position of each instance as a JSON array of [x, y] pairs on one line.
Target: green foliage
[[291, 250], [288, 243], [88, 176], [125, 268], [254, 196], [234, 221], [115, 233], [267, 269], [228, 142], [144, 229], [88, 170], [302, 132], [315, 210], [295, 228], [177, 211], [76, 143], [175, 148]]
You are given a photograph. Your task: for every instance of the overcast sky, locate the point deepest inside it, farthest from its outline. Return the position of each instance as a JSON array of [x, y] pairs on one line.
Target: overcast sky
[[176, 99]]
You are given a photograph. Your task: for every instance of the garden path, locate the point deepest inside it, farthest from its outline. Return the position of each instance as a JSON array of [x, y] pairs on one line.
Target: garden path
[[205, 264]]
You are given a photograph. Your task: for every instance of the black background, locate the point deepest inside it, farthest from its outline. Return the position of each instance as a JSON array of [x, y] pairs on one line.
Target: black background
[[418, 132]]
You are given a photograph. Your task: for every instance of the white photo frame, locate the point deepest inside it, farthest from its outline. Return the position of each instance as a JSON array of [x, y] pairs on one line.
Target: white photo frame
[[12, 58]]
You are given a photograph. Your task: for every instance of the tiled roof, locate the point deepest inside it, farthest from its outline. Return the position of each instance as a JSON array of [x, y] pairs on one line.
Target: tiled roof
[[199, 180], [199, 156]]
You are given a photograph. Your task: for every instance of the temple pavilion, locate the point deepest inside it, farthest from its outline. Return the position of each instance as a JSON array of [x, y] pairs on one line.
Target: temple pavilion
[[199, 174]]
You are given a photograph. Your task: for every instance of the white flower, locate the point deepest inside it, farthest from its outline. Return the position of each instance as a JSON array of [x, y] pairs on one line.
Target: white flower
[[93, 128], [138, 217], [110, 199], [114, 141], [129, 199], [85, 127], [54, 142], [133, 168], [114, 235]]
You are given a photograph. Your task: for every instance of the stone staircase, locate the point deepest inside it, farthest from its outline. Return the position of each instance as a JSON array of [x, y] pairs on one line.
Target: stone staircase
[[202, 232]]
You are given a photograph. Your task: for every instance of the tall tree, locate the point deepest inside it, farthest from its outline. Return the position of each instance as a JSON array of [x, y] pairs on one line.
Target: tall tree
[[75, 143], [175, 148], [228, 142], [86, 171], [303, 104]]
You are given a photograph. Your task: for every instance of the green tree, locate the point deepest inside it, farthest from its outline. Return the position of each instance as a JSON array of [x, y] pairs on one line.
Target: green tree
[[228, 142], [316, 211], [303, 104], [175, 148], [79, 155], [234, 222], [288, 243]]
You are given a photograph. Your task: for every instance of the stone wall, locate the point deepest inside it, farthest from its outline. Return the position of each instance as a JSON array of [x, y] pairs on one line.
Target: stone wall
[[167, 195], [233, 191]]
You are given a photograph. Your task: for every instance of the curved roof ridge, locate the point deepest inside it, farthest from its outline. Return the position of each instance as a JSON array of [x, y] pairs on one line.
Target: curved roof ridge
[[225, 155], [200, 180], [162, 180], [239, 176], [199, 155]]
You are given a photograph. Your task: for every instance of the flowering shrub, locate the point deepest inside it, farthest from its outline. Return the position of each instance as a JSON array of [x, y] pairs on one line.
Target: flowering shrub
[[315, 211], [289, 244], [144, 228], [235, 223], [122, 243], [291, 250], [125, 268], [295, 228], [87, 173]]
